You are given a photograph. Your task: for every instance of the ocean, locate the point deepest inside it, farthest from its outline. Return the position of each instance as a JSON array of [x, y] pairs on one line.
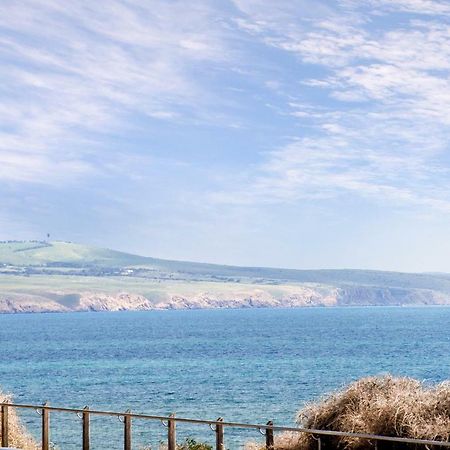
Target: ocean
[[248, 365]]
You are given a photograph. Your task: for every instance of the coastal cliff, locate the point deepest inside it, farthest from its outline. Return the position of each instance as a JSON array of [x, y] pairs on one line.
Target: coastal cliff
[[304, 297], [63, 277]]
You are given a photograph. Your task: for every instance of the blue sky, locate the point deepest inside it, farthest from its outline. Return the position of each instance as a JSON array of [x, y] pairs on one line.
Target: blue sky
[[301, 133]]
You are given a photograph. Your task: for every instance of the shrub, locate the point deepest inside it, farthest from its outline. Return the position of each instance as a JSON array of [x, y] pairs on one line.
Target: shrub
[[386, 405], [191, 444], [188, 444]]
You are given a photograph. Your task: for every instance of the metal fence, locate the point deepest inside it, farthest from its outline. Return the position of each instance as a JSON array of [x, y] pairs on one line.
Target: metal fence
[[218, 426]]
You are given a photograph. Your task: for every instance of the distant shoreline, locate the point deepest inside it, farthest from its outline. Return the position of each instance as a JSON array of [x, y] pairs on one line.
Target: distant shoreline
[[68, 277], [29, 312]]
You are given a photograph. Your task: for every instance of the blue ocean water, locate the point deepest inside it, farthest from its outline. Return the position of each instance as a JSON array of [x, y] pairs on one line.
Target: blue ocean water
[[249, 365]]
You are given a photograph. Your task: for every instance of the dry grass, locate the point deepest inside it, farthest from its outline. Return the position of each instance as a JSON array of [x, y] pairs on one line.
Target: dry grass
[[18, 436], [386, 405]]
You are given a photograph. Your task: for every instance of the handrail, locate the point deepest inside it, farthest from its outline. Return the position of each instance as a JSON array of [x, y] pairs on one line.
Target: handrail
[[172, 419]]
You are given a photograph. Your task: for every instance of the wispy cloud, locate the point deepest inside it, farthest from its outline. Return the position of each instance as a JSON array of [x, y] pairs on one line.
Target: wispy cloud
[[368, 92], [74, 70], [383, 131], [432, 7], [166, 116]]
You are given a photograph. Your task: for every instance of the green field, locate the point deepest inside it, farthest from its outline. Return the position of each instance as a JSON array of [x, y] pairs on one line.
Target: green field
[[57, 271]]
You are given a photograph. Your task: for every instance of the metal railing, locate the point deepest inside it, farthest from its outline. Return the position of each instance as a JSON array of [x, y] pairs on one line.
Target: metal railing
[[218, 426]]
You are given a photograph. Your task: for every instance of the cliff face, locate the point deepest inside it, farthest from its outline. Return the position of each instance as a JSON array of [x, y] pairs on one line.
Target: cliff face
[[119, 302], [256, 298], [62, 276], [25, 303]]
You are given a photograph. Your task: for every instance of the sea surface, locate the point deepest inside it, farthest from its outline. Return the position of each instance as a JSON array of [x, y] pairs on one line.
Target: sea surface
[[249, 365]]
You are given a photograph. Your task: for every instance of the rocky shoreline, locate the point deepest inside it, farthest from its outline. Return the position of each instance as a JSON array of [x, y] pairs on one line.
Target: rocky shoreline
[[257, 298]]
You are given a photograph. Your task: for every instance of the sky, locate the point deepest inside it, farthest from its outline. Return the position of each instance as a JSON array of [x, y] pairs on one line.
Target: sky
[[299, 133]]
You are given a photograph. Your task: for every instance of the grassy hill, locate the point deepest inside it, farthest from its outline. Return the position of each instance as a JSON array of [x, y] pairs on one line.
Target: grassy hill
[[39, 253], [60, 276], [70, 255]]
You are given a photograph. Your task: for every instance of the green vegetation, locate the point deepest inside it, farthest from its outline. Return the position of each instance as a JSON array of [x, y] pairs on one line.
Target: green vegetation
[[41, 253], [38, 276], [60, 255], [188, 444], [191, 444]]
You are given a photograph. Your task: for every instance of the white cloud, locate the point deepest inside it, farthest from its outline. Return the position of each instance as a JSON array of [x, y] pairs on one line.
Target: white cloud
[[386, 134], [72, 70], [413, 6]]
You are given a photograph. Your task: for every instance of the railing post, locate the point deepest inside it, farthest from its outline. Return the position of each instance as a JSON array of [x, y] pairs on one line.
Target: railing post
[[172, 433], [5, 432], [219, 434], [86, 420], [269, 436], [45, 427], [319, 441], [127, 431]]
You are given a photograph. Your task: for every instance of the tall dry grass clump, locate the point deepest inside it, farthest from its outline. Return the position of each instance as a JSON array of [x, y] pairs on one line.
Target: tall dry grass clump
[[386, 405], [18, 435]]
